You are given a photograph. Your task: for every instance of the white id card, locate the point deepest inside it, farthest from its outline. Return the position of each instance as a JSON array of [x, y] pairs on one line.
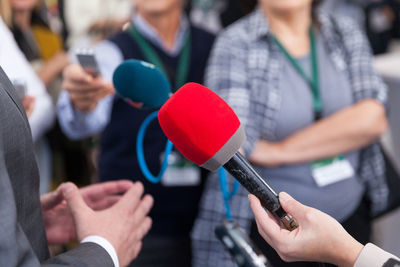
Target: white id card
[[180, 171], [333, 170]]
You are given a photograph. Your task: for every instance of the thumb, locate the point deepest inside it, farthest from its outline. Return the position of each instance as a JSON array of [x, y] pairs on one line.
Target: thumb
[[74, 199], [292, 206]]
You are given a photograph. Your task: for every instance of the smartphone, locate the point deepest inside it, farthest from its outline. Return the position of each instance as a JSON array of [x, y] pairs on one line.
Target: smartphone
[[20, 88], [239, 245], [87, 60]]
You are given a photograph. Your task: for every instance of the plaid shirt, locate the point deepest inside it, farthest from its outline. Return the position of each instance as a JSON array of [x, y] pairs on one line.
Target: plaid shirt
[[244, 70]]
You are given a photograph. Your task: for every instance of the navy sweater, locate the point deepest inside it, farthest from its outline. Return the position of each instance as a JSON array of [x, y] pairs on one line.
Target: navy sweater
[[175, 208]]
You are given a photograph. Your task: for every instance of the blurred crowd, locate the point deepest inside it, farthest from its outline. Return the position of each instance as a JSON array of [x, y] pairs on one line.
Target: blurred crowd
[[83, 132]]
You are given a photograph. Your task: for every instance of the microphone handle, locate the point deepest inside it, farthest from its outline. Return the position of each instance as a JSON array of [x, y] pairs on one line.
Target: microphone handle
[[242, 171]]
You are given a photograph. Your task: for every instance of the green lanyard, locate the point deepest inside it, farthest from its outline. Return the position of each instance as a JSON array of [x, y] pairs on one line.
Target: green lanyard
[[314, 80], [151, 55]]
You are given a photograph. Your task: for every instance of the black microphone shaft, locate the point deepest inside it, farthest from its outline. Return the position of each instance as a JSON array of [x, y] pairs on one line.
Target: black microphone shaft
[[242, 171]]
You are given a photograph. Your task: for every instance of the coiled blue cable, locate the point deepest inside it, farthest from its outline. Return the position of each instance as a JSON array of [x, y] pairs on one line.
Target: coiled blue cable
[[223, 182], [140, 154]]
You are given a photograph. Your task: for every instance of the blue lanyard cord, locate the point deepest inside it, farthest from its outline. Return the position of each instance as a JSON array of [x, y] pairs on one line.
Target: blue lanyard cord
[[140, 154], [223, 182]]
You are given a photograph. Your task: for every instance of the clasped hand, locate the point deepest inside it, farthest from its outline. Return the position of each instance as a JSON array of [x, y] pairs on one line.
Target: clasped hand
[[113, 210]]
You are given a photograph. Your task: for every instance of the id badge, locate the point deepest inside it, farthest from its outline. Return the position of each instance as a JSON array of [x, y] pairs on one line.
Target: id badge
[[180, 171], [332, 170]]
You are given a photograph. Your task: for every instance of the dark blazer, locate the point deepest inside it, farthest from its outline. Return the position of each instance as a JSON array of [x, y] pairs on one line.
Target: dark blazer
[[22, 234]]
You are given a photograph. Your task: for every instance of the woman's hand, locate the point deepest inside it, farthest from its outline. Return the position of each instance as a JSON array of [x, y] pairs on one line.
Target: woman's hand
[[319, 237]]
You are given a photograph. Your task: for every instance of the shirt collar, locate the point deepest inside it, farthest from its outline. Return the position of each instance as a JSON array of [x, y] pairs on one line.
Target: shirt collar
[[152, 35], [259, 27]]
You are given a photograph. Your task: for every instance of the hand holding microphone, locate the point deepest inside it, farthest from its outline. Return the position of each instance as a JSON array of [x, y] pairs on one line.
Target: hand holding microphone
[[207, 132], [318, 238]]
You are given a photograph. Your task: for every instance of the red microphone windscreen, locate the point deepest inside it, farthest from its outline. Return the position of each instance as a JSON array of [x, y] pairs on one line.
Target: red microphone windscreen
[[202, 126]]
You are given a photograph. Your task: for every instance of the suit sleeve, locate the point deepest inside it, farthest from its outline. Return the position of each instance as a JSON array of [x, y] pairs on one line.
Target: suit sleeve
[[15, 248], [85, 255]]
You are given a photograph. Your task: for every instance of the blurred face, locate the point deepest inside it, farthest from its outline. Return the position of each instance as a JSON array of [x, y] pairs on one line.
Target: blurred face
[[284, 5], [154, 7], [22, 4]]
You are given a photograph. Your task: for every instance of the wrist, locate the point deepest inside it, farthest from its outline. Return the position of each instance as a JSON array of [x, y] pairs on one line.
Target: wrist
[[281, 153], [348, 254]]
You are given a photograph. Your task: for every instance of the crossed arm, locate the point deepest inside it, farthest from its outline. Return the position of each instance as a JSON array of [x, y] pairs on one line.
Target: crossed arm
[[347, 130]]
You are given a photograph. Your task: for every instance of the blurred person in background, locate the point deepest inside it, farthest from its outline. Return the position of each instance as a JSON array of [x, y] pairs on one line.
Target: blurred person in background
[[214, 15], [32, 92], [59, 159], [303, 86], [90, 21], [89, 106], [42, 47]]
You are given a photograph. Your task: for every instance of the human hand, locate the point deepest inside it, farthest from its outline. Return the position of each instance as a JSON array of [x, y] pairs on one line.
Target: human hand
[[59, 224], [319, 237], [58, 61], [85, 91], [123, 225], [28, 102], [267, 154]]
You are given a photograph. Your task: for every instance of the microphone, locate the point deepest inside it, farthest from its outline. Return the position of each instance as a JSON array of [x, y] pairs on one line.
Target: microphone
[[243, 251], [141, 82], [205, 129]]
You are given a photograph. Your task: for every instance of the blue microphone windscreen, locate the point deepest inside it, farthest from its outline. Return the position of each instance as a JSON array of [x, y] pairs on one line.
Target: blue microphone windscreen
[[142, 82]]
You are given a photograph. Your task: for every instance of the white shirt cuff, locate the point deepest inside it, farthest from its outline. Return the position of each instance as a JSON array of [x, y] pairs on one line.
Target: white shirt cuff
[[372, 255], [104, 244]]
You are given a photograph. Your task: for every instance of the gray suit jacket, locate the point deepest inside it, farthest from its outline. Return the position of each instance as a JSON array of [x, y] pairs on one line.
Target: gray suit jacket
[[22, 234]]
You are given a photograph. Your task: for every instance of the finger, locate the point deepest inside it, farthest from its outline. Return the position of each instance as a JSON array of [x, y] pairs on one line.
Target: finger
[[136, 249], [143, 228], [272, 217], [83, 99], [268, 225], [79, 87], [263, 234], [105, 203], [84, 107], [74, 199], [76, 73], [143, 209], [100, 190], [51, 199], [131, 198], [292, 206]]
